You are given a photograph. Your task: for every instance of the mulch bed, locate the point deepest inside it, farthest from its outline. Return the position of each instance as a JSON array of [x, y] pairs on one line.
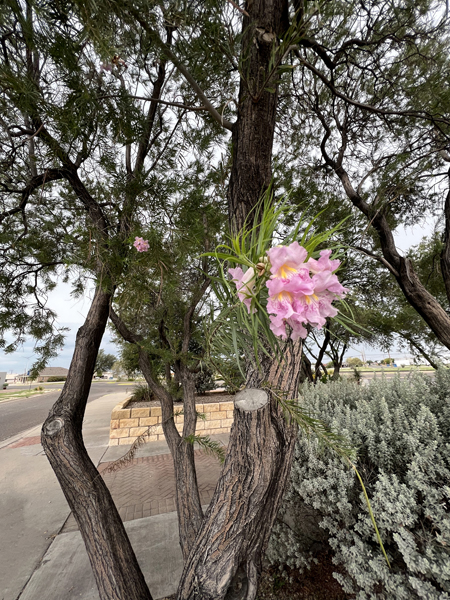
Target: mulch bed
[[204, 399], [316, 583]]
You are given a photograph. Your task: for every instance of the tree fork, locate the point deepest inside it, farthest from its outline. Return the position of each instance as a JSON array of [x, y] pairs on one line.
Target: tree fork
[[116, 570]]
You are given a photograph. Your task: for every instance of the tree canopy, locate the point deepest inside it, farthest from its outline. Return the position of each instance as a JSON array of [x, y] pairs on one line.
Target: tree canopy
[[170, 120]]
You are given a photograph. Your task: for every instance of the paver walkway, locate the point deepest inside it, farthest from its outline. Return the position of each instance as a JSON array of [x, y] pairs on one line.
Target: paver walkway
[[146, 486]]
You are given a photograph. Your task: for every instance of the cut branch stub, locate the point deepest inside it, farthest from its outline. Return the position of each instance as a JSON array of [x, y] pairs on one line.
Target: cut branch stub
[[251, 399]]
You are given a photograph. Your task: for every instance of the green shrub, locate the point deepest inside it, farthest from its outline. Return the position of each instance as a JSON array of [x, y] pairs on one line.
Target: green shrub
[[204, 380], [55, 379], [402, 431], [141, 393], [232, 377]]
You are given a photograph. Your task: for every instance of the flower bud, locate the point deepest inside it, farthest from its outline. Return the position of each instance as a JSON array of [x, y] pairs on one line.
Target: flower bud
[[260, 269]]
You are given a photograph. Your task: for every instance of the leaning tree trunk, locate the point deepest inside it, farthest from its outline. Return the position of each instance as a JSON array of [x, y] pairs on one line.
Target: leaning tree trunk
[[116, 570], [187, 496], [226, 559]]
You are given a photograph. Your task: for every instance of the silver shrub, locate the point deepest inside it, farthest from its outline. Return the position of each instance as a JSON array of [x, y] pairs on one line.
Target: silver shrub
[[402, 431]]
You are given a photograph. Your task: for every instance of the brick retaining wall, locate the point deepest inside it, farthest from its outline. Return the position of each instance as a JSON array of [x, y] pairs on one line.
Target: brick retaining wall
[[129, 423]]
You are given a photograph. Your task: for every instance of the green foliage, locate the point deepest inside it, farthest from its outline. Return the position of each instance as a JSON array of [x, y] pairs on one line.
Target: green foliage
[[141, 393], [402, 431], [129, 359], [104, 362], [55, 379], [230, 371], [204, 380], [208, 445]]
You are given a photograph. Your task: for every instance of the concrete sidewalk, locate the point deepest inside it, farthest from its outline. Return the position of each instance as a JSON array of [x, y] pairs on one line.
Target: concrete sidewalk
[[42, 554]]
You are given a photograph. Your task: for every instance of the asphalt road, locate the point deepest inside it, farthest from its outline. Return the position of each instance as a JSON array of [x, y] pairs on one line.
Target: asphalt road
[[23, 413]]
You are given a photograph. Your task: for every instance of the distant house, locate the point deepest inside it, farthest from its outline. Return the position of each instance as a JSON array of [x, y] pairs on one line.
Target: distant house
[[52, 372], [12, 377]]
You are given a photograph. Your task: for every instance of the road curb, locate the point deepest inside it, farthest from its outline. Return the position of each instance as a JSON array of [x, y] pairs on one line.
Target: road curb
[[18, 436]]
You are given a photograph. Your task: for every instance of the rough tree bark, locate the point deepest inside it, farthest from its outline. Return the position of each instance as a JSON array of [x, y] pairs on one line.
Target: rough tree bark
[[226, 559], [445, 254], [116, 570], [190, 513], [253, 132]]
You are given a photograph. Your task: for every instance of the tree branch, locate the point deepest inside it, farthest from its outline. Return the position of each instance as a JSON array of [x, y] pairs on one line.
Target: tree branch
[[380, 259], [445, 254], [135, 338], [158, 101], [188, 315], [421, 351], [368, 107], [35, 182], [183, 70]]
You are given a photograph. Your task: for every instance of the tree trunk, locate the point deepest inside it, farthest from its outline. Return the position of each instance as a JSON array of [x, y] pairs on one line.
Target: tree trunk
[[116, 570], [445, 254], [226, 559], [187, 496], [190, 514], [253, 132], [306, 370]]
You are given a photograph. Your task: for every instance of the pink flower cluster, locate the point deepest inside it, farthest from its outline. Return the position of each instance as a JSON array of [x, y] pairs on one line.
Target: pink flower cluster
[[141, 245], [300, 291]]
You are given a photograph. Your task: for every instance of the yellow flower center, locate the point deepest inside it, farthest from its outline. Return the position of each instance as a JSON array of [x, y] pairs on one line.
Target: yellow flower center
[[284, 296], [308, 298], [285, 271]]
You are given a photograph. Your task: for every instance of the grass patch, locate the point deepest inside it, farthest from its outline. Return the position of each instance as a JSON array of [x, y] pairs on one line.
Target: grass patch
[[22, 394]]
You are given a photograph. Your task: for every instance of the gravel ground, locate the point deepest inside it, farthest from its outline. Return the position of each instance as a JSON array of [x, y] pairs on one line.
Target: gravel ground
[[206, 399]]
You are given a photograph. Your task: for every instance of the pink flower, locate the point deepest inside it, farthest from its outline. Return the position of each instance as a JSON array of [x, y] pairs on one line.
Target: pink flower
[[282, 309], [299, 283], [296, 298], [287, 261], [242, 281], [141, 245], [300, 292], [323, 264], [326, 280]]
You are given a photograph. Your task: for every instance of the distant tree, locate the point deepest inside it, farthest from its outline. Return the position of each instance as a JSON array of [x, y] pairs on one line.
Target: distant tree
[[387, 361], [355, 362], [117, 369], [104, 362]]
